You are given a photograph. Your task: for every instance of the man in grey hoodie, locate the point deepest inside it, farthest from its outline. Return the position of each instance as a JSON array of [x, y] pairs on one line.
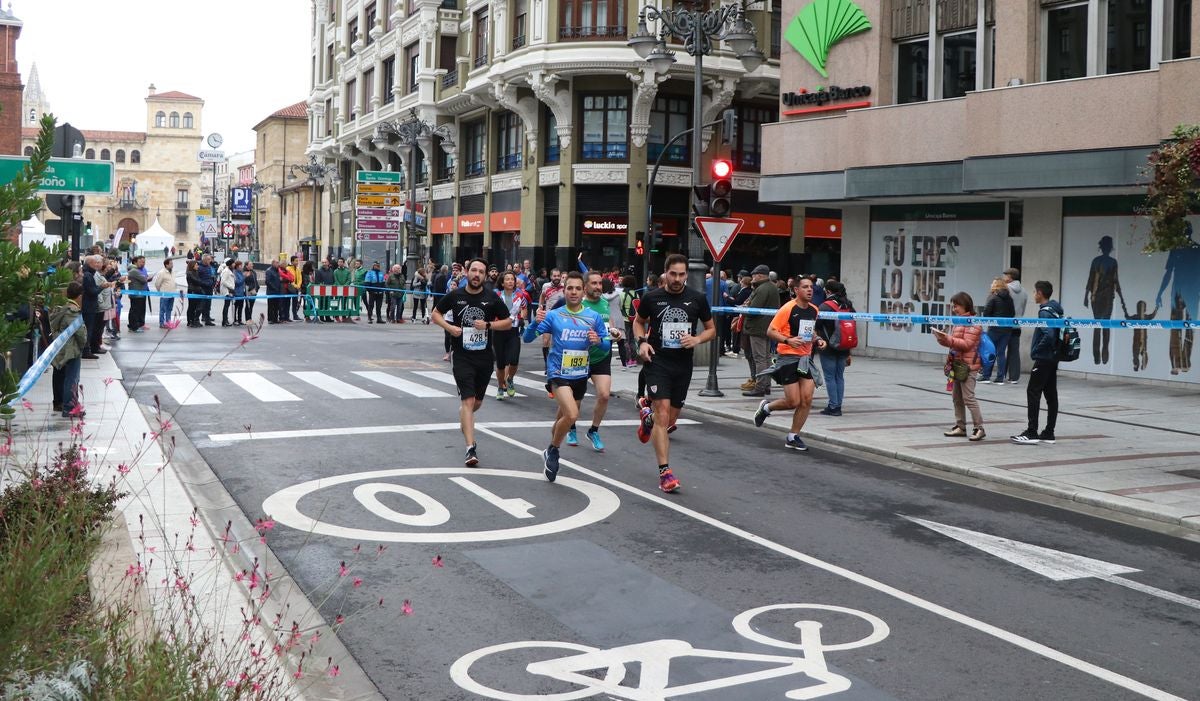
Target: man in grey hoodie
[[1020, 299]]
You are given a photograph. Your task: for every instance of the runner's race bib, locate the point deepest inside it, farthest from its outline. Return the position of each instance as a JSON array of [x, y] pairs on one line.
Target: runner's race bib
[[474, 339], [805, 330], [574, 364], [673, 333]]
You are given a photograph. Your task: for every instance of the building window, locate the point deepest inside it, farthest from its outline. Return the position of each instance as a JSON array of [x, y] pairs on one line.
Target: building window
[[410, 7], [105, 154], [912, 72], [328, 119], [160, 119], [368, 88], [351, 35], [605, 127], [1066, 42], [551, 137], [747, 152], [776, 27], [445, 166], [510, 134], [181, 198], [520, 10], [351, 98], [181, 224], [389, 79], [174, 121], [372, 18], [473, 155], [327, 73], [1181, 33], [135, 156], [591, 19], [120, 155], [958, 64], [187, 120], [669, 116], [90, 154], [1128, 37], [481, 38], [412, 64], [386, 8]]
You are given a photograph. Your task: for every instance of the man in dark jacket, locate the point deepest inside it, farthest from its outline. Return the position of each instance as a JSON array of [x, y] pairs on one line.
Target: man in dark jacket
[[765, 296], [1043, 379], [274, 285], [208, 280], [92, 316], [137, 303]]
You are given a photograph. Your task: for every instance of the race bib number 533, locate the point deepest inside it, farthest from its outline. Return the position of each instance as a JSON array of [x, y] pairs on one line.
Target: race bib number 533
[[673, 333]]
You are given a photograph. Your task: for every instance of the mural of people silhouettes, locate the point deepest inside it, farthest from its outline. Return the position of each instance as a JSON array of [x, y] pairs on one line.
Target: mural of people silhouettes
[[1103, 285], [1141, 351], [1182, 272]]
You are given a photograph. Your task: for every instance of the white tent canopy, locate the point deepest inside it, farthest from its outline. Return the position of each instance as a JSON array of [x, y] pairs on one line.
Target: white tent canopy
[[34, 230], [156, 244]]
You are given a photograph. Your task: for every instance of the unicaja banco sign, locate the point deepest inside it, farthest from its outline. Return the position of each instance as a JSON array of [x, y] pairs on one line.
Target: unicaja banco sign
[[820, 25]]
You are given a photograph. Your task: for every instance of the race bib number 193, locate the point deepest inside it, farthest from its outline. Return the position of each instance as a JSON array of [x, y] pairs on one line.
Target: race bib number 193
[[574, 363]]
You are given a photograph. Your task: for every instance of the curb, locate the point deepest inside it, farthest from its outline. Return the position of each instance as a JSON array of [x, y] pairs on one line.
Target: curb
[[1037, 485]]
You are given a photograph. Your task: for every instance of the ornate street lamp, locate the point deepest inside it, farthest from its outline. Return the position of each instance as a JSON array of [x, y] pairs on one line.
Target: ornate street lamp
[[319, 174]]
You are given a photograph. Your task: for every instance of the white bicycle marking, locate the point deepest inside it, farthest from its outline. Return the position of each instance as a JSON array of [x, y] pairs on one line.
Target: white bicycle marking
[[655, 657]]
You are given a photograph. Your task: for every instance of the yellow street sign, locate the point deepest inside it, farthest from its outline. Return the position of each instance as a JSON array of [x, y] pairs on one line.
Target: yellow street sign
[[377, 201], [363, 189]]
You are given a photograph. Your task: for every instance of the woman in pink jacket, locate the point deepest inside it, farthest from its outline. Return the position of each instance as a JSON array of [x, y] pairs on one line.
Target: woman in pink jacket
[[963, 342]]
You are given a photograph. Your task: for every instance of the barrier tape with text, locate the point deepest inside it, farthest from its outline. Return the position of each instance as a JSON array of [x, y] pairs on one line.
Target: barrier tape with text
[[1019, 322]]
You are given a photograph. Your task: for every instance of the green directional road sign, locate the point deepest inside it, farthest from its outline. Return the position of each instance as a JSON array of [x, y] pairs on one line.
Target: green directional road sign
[[69, 176], [377, 176]]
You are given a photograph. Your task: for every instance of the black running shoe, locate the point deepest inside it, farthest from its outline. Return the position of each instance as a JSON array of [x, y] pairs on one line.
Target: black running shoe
[[472, 458], [550, 463]]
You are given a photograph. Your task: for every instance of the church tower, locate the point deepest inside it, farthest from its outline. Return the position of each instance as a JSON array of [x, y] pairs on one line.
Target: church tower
[[34, 103]]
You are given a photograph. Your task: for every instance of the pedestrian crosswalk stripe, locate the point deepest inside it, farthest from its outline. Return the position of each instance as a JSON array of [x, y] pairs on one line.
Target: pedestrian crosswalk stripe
[[403, 385], [185, 390], [261, 387], [334, 386], [444, 377]]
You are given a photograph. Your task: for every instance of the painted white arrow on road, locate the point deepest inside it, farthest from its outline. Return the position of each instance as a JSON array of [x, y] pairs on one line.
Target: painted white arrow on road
[[1054, 564]]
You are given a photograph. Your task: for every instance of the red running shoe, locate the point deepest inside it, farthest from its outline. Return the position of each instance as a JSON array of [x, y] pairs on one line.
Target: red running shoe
[[646, 426], [672, 428], [667, 481]]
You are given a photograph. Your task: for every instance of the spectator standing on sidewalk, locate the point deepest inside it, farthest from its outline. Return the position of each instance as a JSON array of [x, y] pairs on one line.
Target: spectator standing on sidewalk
[[764, 296], [227, 283], [138, 282], [741, 342], [287, 287], [397, 286], [66, 364], [1000, 305], [1043, 378], [195, 286], [419, 287], [274, 287], [164, 281], [833, 360], [250, 280], [208, 283], [629, 297], [1020, 300], [963, 342], [794, 328], [298, 279], [374, 279]]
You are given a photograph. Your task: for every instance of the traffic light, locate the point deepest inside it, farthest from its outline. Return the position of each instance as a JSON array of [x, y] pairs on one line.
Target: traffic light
[[88, 228], [656, 237], [701, 195], [729, 127], [721, 189], [639, 247]]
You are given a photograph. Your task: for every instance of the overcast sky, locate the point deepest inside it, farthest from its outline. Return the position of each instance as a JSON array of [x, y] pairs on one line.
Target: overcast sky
[[95, 60]]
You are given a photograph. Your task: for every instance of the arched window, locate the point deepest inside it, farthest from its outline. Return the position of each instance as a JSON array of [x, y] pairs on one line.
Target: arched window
[[160, 119], [104, 154], [135, 156], [90, 154], [174, 120], [187, 120], [120, 155], [28, 150]]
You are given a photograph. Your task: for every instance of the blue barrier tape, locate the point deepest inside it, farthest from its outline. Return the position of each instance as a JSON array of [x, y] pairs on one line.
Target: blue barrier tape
[[36, 370], [1020, 322]]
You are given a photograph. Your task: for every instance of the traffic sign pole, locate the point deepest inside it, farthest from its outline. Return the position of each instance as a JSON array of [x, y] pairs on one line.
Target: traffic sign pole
[[718, 234]]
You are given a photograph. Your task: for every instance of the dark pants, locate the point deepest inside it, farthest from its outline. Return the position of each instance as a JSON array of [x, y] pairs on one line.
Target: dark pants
[[374, 305], [294, 303], [95, 328], [65, 385], [1043, 380], [999, 338], [1014, 355], [418, 302], [195, 308], [248, 306], [272, 308], [137, 313], [206, 308], [225, 311]]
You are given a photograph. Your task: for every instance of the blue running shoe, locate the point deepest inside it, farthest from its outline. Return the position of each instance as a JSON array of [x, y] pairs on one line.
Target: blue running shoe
[[550, 463], [763, 412], [795, 444], [594, 436], [572, 437]]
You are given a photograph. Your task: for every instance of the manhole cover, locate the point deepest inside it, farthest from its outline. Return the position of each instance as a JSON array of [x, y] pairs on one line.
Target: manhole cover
[[402, 364], [227, 365]]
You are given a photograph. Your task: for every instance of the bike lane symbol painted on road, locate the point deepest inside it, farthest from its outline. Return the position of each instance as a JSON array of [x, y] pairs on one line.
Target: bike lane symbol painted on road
[[381, 491], [598, 671]]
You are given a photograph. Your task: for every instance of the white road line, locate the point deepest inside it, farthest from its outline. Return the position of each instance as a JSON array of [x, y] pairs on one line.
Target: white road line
[[443, 377], [406, 428], [185, 390], [403, 385], [517, 508], [262, 388], [1020, 641], [539, 386], [334, 386]]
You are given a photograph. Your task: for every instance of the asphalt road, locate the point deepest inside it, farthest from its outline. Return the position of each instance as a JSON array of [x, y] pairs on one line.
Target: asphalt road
[[770, 575]]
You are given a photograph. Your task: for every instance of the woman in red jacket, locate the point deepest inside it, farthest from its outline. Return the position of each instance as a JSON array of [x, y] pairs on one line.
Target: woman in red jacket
[[963, 342]]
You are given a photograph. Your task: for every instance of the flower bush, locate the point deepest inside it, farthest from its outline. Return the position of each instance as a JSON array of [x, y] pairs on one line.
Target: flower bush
[[1172, 194]]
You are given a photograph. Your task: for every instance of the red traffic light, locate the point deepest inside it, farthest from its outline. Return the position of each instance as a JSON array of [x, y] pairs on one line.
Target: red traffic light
[[640, 248], [722, 168]]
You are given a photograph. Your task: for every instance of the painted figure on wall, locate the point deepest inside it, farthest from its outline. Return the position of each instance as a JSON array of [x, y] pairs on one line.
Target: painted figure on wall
[[1140, 352], [1103, 284], [1182, 272]]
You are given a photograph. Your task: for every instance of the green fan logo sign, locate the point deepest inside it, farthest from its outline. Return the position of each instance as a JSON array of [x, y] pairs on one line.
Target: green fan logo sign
[[820, 25]]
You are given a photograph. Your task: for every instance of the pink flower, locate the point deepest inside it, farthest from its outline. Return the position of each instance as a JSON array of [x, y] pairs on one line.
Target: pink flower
[[437, 561], [108, 381], [239, 576], [357, 582], [172, 324], [343, 570], [134, 570], [339, 620], [77, 428], [406, 609], [316, 638], [27, 404], [334, 671], [230, 683], [248, 337], [194, 521], [264, 524], [123, 469], [299, 674], [6, 449]]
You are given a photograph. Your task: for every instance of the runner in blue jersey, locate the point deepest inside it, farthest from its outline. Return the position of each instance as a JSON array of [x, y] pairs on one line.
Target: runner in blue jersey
[[573, 330]]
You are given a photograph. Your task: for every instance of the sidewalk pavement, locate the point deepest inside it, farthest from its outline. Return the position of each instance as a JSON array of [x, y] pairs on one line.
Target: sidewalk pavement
[[167, 487], [1125, 447]]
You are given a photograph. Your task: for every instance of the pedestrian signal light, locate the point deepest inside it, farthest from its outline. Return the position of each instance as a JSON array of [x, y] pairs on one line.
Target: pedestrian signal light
[[721, 190], [639, 247], [656, 237]]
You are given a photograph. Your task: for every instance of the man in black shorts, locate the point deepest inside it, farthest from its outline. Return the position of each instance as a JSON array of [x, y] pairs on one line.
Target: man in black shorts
[[476, 314], [671, 313]]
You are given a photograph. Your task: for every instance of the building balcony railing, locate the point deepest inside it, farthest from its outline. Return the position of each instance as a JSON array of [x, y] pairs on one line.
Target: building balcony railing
[[480, 60], [128, 204], [607, 32], [474, 168], [518, 42], [509, 161], [450, 80], [449, 5]]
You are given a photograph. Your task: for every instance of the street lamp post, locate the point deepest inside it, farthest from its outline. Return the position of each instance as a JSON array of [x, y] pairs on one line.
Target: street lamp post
[[257, 188], [319, 174], [698, 29], [413, 133]]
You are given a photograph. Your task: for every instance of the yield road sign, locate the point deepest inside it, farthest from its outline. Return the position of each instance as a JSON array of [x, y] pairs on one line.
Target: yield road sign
[[73, 176], [377, 176], [718, 233]]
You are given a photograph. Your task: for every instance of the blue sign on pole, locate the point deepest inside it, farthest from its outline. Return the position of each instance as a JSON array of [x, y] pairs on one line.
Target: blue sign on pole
[[241, 201]]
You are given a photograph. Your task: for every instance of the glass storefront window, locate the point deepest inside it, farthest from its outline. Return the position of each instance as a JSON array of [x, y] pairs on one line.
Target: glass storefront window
[[1128, 36], [1181, 36], [958, 64], [912, 72], [1066, 42]]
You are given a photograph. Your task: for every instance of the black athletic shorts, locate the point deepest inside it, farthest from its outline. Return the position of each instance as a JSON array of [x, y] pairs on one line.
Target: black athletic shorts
[[790, 373], [578, 387], [472, 375], [601, 367], [507, 347], [669, 380]]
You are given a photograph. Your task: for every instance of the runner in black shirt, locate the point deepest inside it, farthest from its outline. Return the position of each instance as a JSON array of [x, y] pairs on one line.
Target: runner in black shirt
[[671, 313], [476, 314]]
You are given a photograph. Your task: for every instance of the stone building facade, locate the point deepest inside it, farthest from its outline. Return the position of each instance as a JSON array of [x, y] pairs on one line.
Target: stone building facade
[[285, 205]]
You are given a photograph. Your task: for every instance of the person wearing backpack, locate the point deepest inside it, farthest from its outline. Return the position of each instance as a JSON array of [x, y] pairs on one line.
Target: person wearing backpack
[[1043, 378], [629, 304], [840, 338]]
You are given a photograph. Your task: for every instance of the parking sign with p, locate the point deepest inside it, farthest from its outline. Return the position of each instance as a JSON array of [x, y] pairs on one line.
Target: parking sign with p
[[240, 200]]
